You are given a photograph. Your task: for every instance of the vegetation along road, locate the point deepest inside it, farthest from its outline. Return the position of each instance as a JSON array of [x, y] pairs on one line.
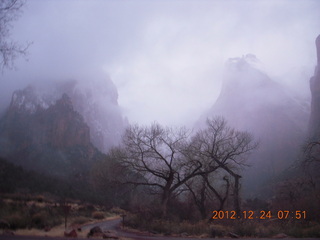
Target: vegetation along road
[[114, 225]]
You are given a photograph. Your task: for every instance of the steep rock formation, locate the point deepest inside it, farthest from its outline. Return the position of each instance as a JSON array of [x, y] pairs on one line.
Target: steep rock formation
[[65, 123], [48, 138], [251, 101], [314, 123], [95, 100]]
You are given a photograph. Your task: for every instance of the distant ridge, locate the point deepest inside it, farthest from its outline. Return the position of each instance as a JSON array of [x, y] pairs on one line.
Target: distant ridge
[[52, 139]]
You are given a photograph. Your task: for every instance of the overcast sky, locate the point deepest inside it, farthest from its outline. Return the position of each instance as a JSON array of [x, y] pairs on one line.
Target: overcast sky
[[165, 57]]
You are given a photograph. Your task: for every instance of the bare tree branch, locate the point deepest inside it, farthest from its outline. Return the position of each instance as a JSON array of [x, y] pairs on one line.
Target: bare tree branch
[[225, 148], [9, 50]]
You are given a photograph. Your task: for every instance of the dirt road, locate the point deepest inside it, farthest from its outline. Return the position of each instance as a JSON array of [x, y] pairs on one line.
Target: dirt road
[[114, 225]]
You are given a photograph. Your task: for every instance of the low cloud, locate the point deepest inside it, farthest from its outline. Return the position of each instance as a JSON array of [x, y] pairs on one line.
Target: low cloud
[[165, 57]]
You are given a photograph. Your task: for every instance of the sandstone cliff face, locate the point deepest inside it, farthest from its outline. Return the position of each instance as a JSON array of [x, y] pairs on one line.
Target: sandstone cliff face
[[67, 126], [251, 101], [314, 123], [95, 100], [49, 138]]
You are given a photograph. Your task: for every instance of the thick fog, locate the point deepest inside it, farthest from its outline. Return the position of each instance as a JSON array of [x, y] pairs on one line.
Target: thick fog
[[166, 58]]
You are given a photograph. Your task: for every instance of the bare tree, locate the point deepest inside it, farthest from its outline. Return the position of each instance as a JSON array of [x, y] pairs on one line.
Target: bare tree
[[220, 196], [197, 188], [224, 148], [204, 193], [9, 50], [168, 158], [160, 155]]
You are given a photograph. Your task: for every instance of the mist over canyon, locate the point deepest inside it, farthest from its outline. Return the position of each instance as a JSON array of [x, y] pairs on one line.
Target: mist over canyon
[[71, 122], [165, 111]]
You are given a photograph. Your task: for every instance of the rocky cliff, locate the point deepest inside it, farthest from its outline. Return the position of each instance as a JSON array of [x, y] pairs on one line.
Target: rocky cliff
[[95, 100], [251, 101], [46, 135], [314, 123]]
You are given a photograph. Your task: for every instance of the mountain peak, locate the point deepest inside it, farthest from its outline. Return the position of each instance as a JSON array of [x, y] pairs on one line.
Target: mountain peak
[[53, 139], [244, 77], [29, 100], [243, 63], [65, 101], [252, 101], [94, 100]]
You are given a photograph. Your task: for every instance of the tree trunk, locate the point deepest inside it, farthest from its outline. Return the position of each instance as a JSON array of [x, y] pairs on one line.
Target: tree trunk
[[202, 203], [164, 205], [166, 195], [236, 195], [203, 212], [223, 200], [236, 200]]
